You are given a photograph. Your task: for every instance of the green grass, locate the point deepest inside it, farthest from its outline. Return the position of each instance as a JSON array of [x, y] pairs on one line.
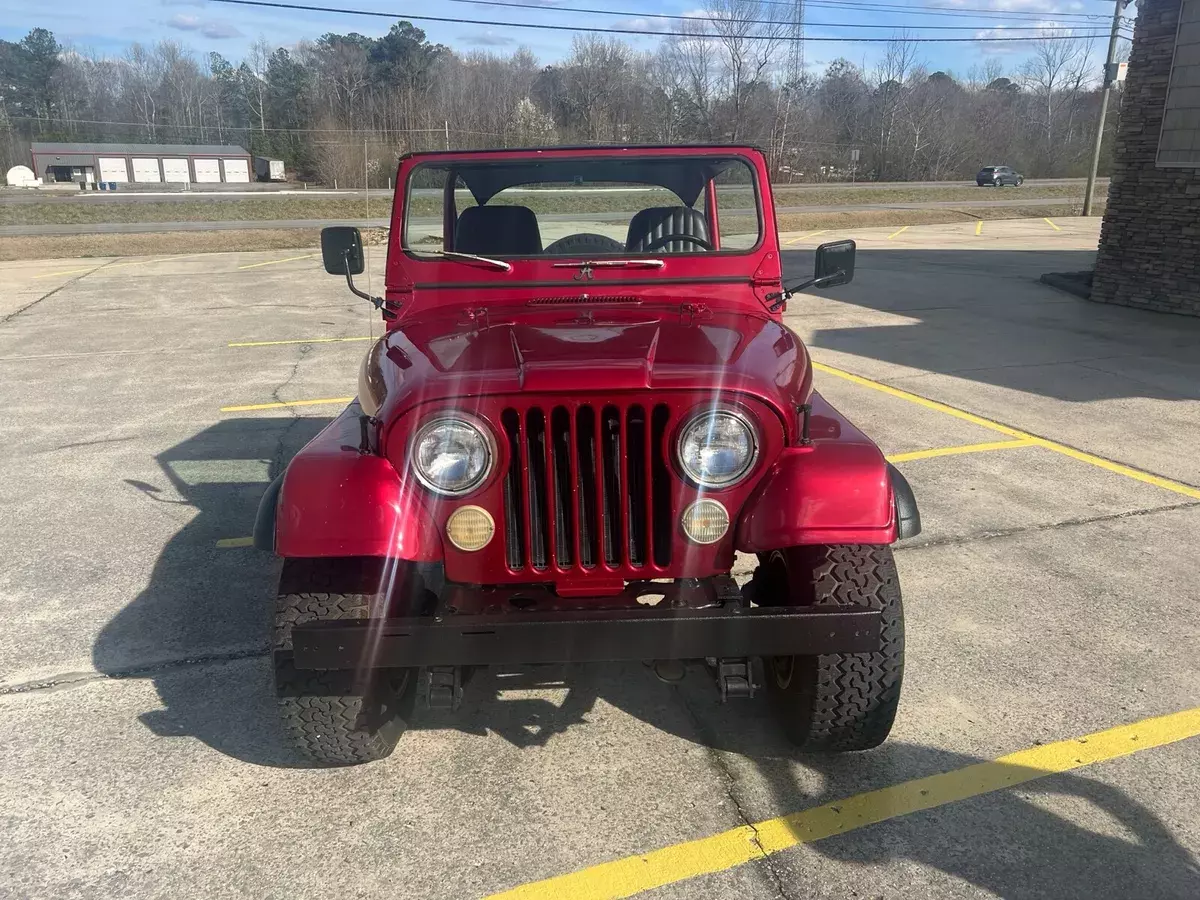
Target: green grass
[[96, 210]]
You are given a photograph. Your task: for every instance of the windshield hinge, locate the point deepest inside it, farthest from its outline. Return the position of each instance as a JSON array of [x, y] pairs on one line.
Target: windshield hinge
[[474, 317], [690, 313]]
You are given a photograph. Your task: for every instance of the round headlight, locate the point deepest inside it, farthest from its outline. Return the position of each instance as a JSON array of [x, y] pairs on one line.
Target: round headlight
[[717, 449], [451, 455]]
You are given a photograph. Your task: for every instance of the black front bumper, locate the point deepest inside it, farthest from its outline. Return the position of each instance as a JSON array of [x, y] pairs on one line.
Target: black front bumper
[[586, 636]]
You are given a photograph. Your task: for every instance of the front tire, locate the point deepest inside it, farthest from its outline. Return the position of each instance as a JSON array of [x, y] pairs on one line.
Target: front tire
[[836, 701], [336, 717]]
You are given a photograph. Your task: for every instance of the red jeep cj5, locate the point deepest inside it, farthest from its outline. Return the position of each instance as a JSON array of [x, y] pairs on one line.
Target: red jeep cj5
[[584, 404]]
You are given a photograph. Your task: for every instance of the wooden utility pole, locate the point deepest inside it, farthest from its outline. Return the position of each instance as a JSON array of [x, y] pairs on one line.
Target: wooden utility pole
[[1110, 75]]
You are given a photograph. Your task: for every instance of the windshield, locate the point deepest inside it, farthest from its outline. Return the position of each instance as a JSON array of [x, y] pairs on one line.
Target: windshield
[[603, 208]]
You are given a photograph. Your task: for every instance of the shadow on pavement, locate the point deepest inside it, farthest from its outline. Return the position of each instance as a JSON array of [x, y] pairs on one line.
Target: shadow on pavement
[[981, 315], [209, 604], [1015, 843]]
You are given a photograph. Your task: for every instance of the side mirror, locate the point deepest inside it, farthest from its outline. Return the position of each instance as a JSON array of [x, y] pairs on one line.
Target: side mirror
[[834, 266], [342, 253], [342, 250], [835, 263]]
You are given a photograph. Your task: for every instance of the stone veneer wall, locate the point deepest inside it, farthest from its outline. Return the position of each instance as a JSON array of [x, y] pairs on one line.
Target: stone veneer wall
[[1149, 253]]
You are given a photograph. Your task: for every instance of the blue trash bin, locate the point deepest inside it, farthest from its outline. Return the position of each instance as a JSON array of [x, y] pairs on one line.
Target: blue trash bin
[[104, 185], [112, 185]]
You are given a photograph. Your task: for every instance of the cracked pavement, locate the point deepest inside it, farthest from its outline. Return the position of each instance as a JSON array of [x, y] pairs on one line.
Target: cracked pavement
[[1046, 598]]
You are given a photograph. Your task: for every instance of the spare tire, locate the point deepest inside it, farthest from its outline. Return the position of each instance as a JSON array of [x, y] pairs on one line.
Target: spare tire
[[584, 244]]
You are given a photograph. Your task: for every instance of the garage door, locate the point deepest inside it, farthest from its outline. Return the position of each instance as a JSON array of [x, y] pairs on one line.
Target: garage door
[[236, 170], [207, 170], [176, 170], [112, 168], [146, 170]]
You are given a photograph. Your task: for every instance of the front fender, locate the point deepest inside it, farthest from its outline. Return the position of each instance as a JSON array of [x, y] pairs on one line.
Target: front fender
[[823, 494], [836, 490], [337, 500]]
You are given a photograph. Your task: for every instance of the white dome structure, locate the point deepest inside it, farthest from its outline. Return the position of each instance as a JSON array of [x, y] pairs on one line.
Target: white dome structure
[[21, 176]]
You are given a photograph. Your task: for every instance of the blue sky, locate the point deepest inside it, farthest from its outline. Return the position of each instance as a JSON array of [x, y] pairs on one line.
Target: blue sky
[[108, 29]]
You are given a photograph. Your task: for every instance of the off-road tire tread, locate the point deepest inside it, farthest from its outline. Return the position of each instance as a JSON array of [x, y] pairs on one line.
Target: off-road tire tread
[[848, 701], [324, 711]]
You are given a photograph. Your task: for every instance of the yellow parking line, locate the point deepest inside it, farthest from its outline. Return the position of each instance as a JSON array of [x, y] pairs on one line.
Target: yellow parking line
[[1128, 471], [285, 403], [805, 237], [748, 843], [140, 262], [272, 262], [979, 227], [299, 341], [1051, 224], [226, 543], [963, 448], [68, 272], [894, 233]]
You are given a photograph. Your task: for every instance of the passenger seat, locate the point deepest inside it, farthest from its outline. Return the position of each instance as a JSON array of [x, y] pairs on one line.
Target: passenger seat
[[498, 231]]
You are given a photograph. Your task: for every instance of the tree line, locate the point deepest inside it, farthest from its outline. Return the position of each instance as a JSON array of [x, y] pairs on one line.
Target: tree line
[[346, 104]]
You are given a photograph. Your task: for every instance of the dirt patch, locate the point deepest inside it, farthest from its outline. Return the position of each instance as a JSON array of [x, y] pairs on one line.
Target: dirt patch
[[882, 217], [171, 242]]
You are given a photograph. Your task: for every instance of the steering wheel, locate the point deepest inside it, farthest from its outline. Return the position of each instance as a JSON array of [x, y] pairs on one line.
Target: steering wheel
[[667, 238]]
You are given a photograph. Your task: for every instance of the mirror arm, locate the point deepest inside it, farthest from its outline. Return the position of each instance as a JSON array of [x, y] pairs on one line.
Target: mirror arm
[[786, 294], [378, 302]]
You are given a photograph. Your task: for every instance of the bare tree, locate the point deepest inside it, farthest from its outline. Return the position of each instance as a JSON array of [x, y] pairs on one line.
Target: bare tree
[[749, 34], [1057, 75]]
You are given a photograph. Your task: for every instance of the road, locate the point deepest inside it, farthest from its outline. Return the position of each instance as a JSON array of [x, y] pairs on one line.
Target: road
[[1050, 597], [434, 223], [136, 196]]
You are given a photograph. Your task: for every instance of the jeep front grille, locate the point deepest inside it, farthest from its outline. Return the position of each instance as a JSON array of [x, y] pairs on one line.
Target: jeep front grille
[[587, 486]]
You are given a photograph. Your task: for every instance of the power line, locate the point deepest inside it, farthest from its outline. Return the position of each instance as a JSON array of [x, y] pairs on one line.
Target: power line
[[508, 4], [598, 30], [250, 128]]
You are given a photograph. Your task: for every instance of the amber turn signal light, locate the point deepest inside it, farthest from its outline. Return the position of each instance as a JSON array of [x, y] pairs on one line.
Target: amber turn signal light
[[705, 521], [470, 528]]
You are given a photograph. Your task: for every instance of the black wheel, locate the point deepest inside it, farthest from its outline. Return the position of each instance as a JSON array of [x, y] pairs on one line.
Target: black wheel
[[336, 717], [836, 701]]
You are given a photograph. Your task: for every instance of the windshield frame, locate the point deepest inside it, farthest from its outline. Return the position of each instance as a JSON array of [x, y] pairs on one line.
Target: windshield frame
[[707, 154]]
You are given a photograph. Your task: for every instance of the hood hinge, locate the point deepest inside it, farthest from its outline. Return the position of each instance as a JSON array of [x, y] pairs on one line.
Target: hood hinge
[[475, 317], [689, 313]]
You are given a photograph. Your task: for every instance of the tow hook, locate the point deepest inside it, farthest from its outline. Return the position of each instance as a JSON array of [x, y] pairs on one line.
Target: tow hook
[[444, 687], [735, 678]]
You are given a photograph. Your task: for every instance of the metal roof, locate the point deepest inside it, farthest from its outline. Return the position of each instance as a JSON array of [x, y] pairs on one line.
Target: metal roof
[[55, 148]]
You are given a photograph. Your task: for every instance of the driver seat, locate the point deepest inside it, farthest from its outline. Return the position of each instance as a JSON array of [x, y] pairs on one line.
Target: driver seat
[[658, 221]]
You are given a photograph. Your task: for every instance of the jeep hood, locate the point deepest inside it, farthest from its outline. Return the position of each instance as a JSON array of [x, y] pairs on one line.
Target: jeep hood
[[563, 352]]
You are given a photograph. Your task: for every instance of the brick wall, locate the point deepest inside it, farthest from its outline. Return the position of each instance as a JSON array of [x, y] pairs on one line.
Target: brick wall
[[1150, 239]]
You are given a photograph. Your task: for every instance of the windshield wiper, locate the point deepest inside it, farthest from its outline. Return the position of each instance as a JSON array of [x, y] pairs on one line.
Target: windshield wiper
[[467, 257], [611, 264]]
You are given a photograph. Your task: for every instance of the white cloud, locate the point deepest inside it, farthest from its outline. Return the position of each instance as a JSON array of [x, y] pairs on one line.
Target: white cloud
[[1029, 6], [215, 29], [646, 26], [487, 38]]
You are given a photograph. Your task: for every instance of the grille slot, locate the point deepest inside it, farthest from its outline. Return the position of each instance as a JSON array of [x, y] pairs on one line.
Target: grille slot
[[586, 487]]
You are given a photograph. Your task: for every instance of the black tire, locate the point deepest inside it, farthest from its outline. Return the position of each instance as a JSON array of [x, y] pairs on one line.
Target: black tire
[[336, 717], [837, 701]]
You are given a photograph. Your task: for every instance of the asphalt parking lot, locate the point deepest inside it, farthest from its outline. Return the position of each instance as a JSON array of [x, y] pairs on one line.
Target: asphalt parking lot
[[1046, 744]]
